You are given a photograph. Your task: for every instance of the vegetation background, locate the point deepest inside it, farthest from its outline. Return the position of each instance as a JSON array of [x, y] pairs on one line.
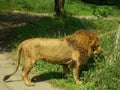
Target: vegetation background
[[99, 73]]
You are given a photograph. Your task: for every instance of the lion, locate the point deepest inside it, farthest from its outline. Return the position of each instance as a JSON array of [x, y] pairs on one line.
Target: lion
[[72, 51]]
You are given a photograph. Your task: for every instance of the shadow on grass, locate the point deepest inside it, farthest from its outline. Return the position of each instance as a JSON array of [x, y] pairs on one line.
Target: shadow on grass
[[93, 62], [16, 27], [47, 76]]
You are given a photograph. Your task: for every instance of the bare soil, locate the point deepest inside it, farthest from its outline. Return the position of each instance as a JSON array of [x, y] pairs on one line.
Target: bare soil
[[7, 65]]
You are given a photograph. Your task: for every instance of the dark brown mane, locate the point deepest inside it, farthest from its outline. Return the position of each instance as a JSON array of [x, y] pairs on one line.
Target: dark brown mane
[[81, 39]]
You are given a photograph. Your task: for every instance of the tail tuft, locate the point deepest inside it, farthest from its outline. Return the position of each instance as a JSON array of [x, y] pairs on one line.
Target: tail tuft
[[6, 77]]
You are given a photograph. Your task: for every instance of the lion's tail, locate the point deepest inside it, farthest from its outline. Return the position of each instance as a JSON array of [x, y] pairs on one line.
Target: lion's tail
[[18, 63]]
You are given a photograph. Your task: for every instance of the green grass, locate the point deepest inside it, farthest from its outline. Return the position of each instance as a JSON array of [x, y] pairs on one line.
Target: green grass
[[28, 5], [78, 8], [95, 76], [103, 74], [73, 7], [55, 27], [100, 75]]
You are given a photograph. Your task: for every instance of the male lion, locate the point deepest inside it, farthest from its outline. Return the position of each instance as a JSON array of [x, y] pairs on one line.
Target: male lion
[[71, 51]]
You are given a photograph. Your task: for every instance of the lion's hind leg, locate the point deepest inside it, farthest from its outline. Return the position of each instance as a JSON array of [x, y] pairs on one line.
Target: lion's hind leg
[[25, 72]]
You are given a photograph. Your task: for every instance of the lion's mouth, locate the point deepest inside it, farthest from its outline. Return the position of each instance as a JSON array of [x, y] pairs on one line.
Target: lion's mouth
[[98, 53]]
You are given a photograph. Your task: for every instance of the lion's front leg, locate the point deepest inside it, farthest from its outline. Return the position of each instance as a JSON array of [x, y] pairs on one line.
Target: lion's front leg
[[76, 69]]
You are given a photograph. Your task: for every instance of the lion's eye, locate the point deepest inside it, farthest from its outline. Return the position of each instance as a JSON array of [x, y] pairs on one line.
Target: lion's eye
[[97, 45], [93, 49]]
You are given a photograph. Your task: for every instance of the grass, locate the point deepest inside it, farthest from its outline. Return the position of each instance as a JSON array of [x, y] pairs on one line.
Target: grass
[[95, 76], [98, 73], [103, 74], [74, 7], [25, 5], [59, 27]]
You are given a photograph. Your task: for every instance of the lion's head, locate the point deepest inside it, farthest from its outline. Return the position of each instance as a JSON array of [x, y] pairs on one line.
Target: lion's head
[[86, 41], [96, 47]]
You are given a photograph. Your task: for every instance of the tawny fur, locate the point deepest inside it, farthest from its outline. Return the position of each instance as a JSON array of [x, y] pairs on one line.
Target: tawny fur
[[71, 51]]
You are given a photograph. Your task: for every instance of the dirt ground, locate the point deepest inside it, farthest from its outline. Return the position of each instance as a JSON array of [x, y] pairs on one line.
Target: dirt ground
[[7, 62], [7, 65]]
